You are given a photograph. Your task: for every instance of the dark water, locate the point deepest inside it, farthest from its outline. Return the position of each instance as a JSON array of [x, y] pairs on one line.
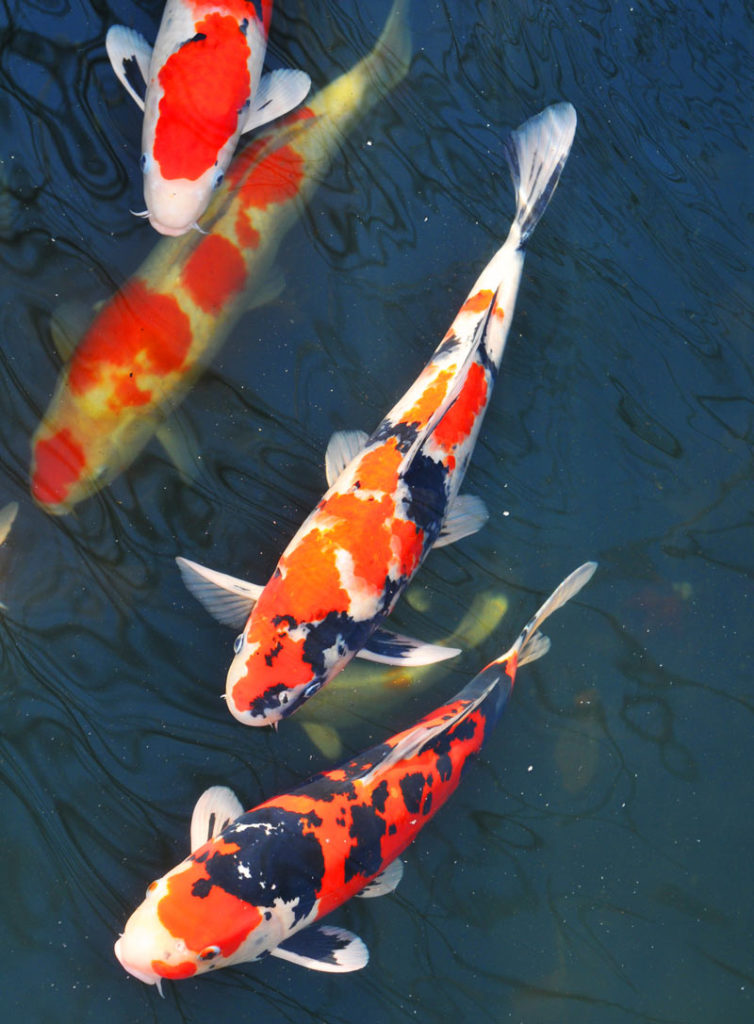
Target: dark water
[[596, 864]]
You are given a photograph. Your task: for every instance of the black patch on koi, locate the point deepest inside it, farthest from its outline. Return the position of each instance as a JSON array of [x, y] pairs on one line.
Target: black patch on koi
[[444, 767], [269, 658], [379, 797], [367, 828], [278, 620], [336, 628], [276, 860], [427, 806], [198, 38], [201, 887], [404, 434], [267, 701], [412, 788], [392, 829], [134, 76], [425, 480], [449, 345]]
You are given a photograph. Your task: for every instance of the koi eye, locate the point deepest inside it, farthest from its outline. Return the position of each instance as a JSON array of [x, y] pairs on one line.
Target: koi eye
[[209, 953], [311, 689], [218, 179], [238, 643], [151, 887], [145, 162]]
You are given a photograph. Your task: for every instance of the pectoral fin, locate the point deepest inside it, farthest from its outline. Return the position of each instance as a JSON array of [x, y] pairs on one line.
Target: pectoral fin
[[324, 948], [386, 882], [390, 648], [127, 51], [278, 92], [215, 809], [343, 446], [228, 599], [465, 516]]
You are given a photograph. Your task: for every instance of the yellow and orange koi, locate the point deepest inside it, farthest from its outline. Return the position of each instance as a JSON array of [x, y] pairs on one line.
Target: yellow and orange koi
[[393, 496], [150, 342]]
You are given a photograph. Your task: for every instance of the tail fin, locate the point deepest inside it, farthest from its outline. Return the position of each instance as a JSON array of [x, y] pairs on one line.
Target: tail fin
[[536, 154], [530, 644]]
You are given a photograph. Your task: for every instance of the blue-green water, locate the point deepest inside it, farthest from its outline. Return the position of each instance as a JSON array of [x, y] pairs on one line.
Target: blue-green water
[[595, 864]]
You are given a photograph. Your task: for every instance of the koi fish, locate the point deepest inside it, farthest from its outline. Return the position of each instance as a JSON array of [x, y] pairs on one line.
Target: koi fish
[[255, 883], [150, 342], [203, 91], [393, 495], [7, 516]]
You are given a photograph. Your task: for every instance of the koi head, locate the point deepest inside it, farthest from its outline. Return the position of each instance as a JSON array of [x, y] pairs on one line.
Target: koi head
[[174, 205], [188, 925], [278, 666]]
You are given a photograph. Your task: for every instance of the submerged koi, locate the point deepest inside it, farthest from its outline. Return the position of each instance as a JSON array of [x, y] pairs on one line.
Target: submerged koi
[[150, 342], [254, 881], [203, 91], [393, 495]]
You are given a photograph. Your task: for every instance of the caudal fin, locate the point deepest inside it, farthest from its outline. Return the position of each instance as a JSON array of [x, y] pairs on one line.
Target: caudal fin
[[536, 154], [530, 644]]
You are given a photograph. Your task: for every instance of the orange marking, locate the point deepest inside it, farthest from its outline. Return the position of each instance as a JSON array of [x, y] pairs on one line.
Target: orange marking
[[139, 332], [205, 85], [214, 273], [217, 919], [58, 461], [173, 971], [477, 303], [459, 420], [276, 179], [430, 400]]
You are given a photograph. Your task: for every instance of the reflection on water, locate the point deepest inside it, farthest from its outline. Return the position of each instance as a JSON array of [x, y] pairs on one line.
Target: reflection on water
[[592, 866]]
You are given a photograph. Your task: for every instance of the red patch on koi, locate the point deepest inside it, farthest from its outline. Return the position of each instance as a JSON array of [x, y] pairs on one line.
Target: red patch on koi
[[173, 971], [276, 179], [205, 85], [477, 303], [459, 420], [58, 461], [216, 918], [138, 333], [214, 273]]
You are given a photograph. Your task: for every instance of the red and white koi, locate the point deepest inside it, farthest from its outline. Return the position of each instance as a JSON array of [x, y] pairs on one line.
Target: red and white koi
[[393, 495], [147, 345], [203, 91], [256, 883]]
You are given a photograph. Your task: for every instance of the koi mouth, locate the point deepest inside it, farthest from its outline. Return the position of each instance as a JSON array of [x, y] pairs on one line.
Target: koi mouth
[[148, 977]]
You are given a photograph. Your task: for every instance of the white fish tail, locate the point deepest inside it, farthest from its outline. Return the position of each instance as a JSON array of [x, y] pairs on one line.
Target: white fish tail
[[530, 644], [536, 154]]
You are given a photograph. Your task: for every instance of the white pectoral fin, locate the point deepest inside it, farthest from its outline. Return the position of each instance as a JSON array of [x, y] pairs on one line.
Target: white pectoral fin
[[278, 92], [180, 447], [342, 448], [126, 48], [228, 599], [324, 948], [465, 516], [386, 882], [215, 809], [388, 648]]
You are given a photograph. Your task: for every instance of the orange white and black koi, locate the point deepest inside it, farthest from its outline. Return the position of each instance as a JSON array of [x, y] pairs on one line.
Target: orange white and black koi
[[149, 343], [255, 883], [393, 496], [203, 90]]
